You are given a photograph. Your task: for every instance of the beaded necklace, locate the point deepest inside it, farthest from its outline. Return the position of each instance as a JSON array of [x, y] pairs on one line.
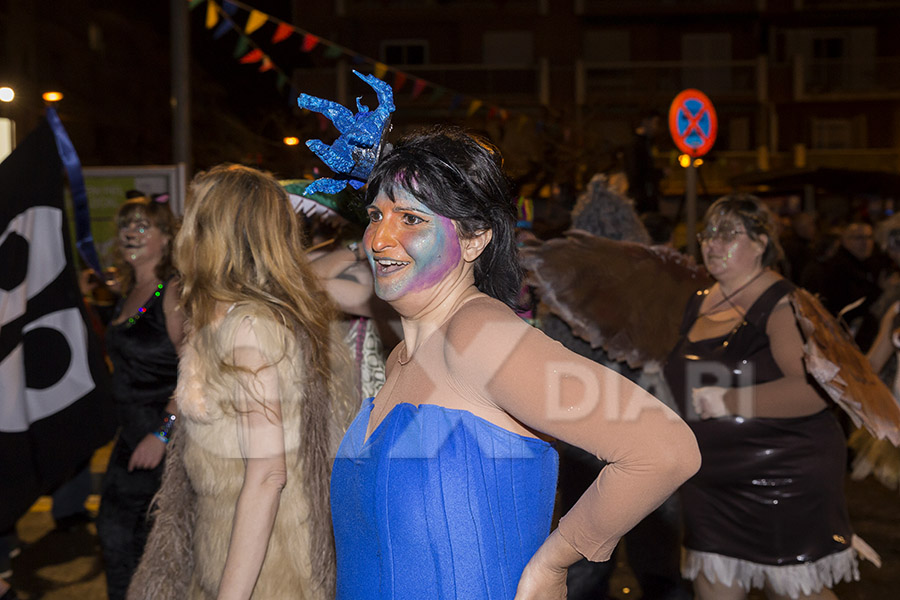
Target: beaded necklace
[[141, 310]]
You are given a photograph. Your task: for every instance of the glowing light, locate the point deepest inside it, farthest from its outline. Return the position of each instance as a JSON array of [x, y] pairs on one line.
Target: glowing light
[[291, 141], [685, 161], [52, 96], [626, 590], [7, 94]]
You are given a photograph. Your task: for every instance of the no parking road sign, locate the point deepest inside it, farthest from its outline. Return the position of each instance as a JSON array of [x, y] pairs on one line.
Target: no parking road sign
[[693, 123]]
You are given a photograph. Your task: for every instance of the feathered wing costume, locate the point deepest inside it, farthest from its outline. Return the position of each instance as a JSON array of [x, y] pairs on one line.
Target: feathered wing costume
[[630, 299], [625, 297], [872, 456]]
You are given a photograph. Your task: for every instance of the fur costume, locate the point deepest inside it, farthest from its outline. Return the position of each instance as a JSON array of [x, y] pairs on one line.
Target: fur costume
[[186, 552]]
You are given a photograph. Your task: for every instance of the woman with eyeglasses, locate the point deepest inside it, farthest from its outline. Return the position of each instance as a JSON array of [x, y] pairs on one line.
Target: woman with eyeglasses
[[766, 510], [143, 341]]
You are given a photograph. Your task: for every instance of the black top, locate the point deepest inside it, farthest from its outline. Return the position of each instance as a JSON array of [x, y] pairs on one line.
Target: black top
[[145, 369], [770, 490], [747, 344]]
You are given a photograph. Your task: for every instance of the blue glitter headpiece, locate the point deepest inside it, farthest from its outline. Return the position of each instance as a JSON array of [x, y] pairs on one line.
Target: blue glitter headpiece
[[352, 156]]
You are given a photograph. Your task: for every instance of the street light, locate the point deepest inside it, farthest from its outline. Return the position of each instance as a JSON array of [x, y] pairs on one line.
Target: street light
[[7, 125], [291, 141], [52, 96]]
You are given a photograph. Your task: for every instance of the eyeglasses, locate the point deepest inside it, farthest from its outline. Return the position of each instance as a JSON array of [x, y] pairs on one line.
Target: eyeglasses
[[723, 235]]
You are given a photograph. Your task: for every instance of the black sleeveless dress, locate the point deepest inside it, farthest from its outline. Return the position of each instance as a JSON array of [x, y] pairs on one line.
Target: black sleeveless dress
[[145, 370], [770, 490]]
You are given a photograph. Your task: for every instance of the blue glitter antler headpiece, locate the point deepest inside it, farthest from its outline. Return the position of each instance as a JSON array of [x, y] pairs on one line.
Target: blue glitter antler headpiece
[[352, 156]]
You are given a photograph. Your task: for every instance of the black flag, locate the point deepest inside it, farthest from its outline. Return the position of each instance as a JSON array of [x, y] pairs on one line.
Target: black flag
[[55, 405]]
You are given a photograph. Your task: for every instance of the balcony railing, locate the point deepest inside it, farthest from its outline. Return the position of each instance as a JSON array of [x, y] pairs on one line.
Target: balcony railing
[[846, 79], [845, 4], [651, 80], [507, 83]]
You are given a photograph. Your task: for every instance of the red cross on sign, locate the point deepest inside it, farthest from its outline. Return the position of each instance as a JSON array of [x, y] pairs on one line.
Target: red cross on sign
[[693, 123]]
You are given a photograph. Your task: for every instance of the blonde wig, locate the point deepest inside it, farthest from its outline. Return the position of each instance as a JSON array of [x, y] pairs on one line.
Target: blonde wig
[[161, 216], [242, 243]]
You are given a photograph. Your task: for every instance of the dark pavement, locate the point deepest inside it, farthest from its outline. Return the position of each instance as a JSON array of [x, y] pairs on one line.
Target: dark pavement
[[66, 565]]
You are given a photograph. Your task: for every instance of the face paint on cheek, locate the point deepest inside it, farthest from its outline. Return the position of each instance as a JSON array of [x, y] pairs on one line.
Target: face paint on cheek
[[729, 254], [435, 254]]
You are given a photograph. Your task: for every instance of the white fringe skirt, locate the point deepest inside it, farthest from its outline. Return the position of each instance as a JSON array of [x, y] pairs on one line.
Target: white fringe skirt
[[788, 580]]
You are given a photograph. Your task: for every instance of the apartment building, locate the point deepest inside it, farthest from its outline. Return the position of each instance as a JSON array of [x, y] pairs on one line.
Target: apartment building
[[796, 83]]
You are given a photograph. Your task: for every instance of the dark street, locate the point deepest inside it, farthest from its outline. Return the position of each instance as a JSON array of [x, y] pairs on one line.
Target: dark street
[[66, 565]]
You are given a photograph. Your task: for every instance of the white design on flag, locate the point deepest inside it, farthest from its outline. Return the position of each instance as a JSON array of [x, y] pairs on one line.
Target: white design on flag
[[42, 227], [33, 404]]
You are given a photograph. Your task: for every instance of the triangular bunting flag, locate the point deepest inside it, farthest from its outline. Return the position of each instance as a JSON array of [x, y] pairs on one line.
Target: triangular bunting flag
[[267, 65], [418, 88], [212, 14], [280, 81], [380, 70], [230, 8], [242, 46], [492, 112], [309, 42], [473, 107], [456, 101], [437, 93], [333, 51], [399, 80], [253, 56], [222, 29], [194, 4], [504, 114], [282, 32], [256, 20]]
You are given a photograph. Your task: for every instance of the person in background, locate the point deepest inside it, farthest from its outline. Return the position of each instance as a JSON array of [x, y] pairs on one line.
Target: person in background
[[653, 546], [643, 175], [798, 241], [660, 227], [346, 277], [142, 342], [263, 384], [767, 509], [853, 274]]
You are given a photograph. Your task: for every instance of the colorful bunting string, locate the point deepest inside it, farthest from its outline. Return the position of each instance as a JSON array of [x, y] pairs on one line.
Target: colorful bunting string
[[221, 17]]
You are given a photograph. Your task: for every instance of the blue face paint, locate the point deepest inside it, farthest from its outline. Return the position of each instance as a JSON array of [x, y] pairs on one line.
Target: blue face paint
[[410, 247]]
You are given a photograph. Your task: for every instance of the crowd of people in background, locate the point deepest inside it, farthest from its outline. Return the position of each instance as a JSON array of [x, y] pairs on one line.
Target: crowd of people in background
[[247, 301]]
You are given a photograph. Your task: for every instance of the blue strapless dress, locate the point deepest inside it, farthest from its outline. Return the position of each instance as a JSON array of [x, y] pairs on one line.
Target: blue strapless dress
[[438, 504]]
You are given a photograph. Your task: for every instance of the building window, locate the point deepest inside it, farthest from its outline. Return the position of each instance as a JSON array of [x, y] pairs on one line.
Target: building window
[[404, 52], [607, 45], [832, 133], [508, 48], [706, 57]]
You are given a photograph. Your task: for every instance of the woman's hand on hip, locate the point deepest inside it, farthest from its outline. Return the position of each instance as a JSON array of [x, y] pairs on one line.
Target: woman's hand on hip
[[544, 577]]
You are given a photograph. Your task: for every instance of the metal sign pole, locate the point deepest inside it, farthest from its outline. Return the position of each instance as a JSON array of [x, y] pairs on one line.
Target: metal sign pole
[[690, 191], [693, 124]]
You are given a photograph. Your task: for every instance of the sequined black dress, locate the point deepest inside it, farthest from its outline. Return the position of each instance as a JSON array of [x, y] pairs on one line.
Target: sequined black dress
[[145, 369], [770, 490]]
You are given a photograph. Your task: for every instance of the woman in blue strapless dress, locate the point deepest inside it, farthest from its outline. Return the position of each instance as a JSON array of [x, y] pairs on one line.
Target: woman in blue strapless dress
[[443, 486]]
